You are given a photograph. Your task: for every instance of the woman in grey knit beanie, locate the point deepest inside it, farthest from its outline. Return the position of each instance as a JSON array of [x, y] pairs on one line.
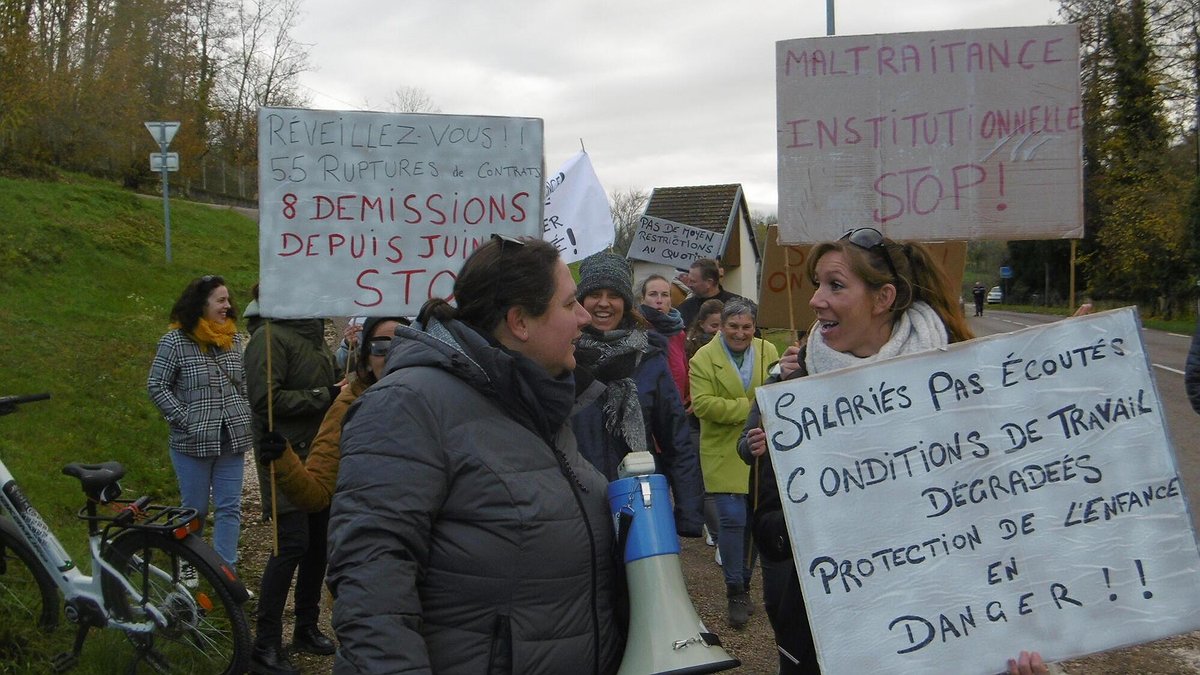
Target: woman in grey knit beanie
[[626, 399]]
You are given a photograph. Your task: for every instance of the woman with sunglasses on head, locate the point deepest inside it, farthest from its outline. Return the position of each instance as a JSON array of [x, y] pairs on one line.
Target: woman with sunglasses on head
[[309, 483], [468, 535], [627, 400], [198, 383], [875, 299]]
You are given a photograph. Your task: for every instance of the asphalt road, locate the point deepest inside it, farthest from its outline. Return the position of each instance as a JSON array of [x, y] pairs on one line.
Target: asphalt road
[[1168, 352]]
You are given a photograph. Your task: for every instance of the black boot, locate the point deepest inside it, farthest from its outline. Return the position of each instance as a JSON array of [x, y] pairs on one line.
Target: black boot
[[739, 605], [269, 658], [310, 640]]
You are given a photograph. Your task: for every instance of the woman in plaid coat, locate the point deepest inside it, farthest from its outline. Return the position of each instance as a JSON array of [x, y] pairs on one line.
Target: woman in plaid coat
[[198, 383]]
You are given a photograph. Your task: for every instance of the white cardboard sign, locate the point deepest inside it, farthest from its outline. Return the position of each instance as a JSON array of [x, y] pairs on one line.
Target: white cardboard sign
[[674, 244], [950, 509], [949, 135], [365, 213]]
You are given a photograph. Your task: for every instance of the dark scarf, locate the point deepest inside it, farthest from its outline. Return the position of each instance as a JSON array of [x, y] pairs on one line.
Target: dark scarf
[[611, 357], [521, 387], [667, 324]]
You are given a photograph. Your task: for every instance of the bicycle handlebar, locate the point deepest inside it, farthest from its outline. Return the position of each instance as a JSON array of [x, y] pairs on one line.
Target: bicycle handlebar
[[8, 404]]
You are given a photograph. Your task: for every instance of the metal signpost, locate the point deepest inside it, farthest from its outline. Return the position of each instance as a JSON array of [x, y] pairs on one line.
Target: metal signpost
[[164, 162]]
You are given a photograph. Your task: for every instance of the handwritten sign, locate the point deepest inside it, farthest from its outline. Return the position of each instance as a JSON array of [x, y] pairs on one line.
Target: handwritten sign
[[949, 509], [364, 213], [786, 289], [950, 135], [674, 244]]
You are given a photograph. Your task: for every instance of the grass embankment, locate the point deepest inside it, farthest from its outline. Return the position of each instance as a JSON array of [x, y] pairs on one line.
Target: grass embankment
[[85, 293]]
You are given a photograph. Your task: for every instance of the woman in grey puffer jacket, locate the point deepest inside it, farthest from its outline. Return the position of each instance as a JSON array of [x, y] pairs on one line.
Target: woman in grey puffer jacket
[[467, 533]]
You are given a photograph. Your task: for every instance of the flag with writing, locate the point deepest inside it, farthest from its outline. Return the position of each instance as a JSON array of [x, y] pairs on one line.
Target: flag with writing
[[576, 218]]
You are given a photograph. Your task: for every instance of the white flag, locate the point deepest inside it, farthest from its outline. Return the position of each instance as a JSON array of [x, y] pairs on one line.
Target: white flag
[[576, 218]]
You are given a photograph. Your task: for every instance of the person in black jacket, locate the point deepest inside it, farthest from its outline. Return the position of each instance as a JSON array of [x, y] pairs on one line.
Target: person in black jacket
[[860, 271], [468, 535]]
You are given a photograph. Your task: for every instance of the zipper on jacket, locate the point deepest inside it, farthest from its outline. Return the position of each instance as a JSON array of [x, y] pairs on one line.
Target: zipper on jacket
[[500, 654]]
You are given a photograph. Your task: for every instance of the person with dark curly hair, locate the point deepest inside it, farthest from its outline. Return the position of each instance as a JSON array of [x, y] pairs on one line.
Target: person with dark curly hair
[[198, 383]]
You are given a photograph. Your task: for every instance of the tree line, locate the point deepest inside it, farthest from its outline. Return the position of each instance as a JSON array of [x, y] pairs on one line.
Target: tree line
[[79, 77], [1140, 82]]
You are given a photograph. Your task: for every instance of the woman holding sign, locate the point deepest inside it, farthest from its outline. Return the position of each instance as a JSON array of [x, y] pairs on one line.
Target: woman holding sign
[[875, 299], [468, 535]]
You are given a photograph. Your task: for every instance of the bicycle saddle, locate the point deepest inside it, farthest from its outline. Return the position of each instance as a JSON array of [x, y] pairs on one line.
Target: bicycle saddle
[[95, 477]]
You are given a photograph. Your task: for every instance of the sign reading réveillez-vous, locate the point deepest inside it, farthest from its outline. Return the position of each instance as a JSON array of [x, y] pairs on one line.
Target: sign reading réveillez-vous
[[952, 135], [364, 213], [670, 243], [949, 509]]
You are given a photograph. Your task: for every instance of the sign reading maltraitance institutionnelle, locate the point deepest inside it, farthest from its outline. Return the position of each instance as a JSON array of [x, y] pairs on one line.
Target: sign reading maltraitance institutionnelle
[[949, 135]]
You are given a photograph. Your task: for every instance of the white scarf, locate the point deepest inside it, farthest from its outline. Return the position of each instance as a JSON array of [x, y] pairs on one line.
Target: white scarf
[[919, 329]]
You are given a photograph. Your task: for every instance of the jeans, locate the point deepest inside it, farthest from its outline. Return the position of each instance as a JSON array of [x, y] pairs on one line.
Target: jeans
[[737, 559], [219, 479], [302, 538]]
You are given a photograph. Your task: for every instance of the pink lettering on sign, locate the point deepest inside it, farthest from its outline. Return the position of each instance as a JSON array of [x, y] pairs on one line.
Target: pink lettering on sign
[[415, 285], [432, 209], [934, 128], [920, 191], [960, 56]]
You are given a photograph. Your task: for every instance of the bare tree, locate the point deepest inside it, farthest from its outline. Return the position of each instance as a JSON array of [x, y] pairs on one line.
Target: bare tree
[[264, 68], [408, 99], [626, 207]]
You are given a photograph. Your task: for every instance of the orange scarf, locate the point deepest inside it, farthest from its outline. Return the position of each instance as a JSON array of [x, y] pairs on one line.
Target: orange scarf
[[208, 334]]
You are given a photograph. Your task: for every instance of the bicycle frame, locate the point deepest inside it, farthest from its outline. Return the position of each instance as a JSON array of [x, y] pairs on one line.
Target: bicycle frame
[[75, 586]]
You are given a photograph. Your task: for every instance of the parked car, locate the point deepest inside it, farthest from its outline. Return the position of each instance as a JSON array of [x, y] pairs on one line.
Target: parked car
[[995, 295]]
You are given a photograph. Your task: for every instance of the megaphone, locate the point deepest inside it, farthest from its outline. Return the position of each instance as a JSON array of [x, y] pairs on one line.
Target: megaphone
[[665, 633]]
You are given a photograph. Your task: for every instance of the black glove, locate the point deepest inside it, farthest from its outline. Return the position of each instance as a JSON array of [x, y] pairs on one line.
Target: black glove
[[271, 447]]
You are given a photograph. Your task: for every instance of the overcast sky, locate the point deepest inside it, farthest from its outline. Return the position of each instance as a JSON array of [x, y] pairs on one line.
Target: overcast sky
[[661, 92]]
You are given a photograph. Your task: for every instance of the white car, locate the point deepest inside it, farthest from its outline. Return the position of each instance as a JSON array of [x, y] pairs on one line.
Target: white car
[[995, 295]]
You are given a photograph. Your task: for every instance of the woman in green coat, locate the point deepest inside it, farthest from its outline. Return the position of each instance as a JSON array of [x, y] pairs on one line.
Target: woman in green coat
[[723, 375]]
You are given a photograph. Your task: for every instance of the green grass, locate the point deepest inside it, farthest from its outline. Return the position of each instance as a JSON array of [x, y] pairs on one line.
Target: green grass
[[85, 293]]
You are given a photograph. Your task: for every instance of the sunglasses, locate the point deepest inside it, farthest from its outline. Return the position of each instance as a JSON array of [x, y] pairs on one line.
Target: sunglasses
[[870, 239], [506, 239], [380, 346]]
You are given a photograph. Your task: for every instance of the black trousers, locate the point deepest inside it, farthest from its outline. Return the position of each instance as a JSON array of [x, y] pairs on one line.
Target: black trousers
[[785, 610], [302, 539]]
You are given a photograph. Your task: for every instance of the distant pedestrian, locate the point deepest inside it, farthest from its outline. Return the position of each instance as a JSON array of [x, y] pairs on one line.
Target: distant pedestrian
[[980, 294]]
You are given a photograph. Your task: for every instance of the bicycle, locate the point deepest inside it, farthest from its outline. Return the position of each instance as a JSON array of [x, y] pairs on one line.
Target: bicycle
[[140, 582]]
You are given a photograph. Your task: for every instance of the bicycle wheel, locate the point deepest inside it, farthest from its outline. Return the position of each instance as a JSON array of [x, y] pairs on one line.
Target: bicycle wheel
[[27, 592], [204, 631]]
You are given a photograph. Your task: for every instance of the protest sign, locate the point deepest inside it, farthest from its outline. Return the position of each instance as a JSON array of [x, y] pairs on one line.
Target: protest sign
[[949, 135], [674, 244], [364, 213], [577, 219], [784, 266], [949, 509]]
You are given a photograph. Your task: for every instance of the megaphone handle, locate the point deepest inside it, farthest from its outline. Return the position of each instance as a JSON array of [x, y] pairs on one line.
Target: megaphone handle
[[624, 524]]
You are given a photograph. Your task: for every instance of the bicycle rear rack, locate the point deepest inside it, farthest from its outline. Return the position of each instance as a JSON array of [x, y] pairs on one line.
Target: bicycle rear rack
[[135, 515]]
